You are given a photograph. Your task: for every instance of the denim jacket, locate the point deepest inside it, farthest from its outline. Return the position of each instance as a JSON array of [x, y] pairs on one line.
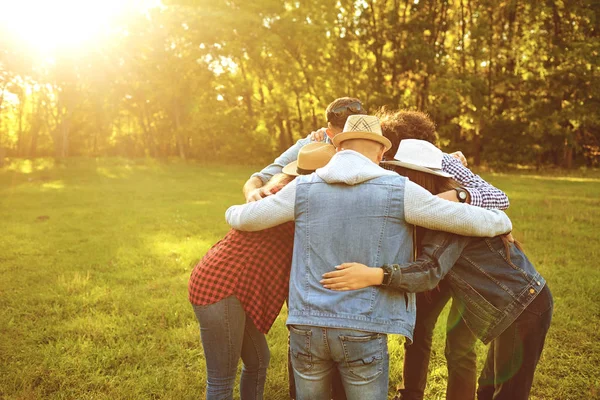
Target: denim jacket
[[493, 286], [337, 222]]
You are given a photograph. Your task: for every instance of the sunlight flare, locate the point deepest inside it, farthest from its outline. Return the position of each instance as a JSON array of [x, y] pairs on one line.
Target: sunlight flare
[[48, 26]]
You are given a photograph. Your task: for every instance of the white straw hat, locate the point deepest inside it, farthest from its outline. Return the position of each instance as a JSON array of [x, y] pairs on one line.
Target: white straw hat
[[419, 155]]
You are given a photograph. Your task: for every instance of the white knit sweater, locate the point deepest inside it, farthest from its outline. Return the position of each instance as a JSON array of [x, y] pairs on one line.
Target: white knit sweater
[[420, 207]]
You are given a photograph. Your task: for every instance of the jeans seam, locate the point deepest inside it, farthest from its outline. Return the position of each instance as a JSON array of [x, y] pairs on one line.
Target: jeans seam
[[229, 339], [325, 340], [258, 355]]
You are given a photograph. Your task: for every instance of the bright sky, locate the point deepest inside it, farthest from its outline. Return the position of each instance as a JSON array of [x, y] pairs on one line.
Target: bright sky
[[49, 25]]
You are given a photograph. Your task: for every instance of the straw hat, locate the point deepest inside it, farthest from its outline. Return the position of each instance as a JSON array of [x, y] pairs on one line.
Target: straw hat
[[419, 155], [312, 156], [362, 127]]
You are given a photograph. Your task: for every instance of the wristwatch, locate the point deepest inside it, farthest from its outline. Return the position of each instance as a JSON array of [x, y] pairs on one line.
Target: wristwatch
[[462, 194], [387, 275]]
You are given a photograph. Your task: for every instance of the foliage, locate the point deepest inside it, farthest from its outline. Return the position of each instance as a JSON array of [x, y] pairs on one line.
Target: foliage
[[95, 256], [506, 81]]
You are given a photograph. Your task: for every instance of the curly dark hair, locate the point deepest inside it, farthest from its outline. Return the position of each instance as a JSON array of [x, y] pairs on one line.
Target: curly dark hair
[[406, 124]]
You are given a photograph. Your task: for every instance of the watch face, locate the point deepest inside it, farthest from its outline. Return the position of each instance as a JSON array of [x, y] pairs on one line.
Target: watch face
[[462, 195]]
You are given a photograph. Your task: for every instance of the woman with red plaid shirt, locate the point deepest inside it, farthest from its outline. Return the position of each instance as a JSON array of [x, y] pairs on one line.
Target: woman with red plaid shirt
[[238, 289]]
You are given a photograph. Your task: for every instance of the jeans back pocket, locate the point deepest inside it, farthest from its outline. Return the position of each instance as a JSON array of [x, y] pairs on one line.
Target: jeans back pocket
[[300, 348], [364, 355]]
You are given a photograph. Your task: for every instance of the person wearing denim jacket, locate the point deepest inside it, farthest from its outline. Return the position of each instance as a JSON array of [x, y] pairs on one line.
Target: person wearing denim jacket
[[502, 298], [352, 207]]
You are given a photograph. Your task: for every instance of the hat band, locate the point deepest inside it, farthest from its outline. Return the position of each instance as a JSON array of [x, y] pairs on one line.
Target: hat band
[[302, 171]]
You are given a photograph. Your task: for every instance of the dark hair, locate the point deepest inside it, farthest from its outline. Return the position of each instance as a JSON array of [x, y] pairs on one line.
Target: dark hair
[[346, 107], [438, 184], [405, 124], [434, 184]]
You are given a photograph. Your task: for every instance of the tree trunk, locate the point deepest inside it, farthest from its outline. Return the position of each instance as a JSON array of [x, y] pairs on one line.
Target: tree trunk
[[568, 155], [282, 134], [178, 135], [289, 134], [300, 116], [477, 146]]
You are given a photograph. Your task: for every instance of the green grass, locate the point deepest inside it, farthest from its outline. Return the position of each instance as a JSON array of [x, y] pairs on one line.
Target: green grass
[[95, 257]]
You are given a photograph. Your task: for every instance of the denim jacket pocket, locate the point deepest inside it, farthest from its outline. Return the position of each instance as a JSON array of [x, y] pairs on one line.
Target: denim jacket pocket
[[364, 355], [300, 348], [474, 302]]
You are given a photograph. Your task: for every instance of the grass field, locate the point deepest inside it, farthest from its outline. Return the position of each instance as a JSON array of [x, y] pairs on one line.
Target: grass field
[[95, 257]]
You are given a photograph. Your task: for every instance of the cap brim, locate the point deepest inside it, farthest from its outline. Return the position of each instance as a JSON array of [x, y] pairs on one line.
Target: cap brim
[[418, 168], [291, 168], [340, 137]]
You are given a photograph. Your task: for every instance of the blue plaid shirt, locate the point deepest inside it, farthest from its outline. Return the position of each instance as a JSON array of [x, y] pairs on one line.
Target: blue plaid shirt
[[482, 193]]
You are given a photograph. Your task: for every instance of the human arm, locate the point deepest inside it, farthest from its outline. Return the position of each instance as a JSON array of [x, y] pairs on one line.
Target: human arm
[[252, 189], [266, 213], [460, 157], [439, 253], [267, 172], [482, 194], [424, 209], [320, 135]]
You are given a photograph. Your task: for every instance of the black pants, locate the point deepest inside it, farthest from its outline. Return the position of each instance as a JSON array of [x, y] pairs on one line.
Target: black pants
[[513, 356], [461, 358]]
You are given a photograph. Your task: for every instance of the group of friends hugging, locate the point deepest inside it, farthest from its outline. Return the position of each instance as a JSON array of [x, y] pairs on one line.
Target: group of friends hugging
[[367, 229]]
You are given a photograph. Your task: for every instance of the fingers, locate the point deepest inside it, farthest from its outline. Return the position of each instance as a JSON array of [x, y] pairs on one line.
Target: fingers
[[338, 287], [333, 274], [318, 135], [332, 285], [252, 198], [460, 156], [254, 195]]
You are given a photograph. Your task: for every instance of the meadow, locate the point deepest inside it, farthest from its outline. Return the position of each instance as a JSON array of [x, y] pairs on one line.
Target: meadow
[[95, 255]]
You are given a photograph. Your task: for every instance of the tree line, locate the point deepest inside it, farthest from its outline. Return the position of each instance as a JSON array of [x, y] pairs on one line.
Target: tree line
[[505, 81]]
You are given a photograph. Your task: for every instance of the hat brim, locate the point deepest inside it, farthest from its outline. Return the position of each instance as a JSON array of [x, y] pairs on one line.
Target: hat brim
[[340, 137], [291, 169], [418, 168]]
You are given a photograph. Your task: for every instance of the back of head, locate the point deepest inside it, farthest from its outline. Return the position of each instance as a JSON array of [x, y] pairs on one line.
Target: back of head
[[432, 183], [406, 124], [340, 109], [367, 148]]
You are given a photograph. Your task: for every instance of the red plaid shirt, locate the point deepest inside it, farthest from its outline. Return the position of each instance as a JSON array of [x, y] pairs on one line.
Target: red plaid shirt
[[253, 266]]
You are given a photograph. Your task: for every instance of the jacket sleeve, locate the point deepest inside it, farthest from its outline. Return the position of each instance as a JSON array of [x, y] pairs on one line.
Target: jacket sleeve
[[439, 252], [284, 159], [482, 193], [424, 209], [266, 213]]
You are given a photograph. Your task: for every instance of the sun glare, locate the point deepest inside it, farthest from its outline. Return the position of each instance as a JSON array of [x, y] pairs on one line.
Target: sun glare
[[50, 25]]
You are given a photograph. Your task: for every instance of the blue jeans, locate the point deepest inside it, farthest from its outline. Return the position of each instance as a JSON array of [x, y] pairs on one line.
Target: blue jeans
[[228, 334], [360, 357], [461, 358], [513, 356]]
